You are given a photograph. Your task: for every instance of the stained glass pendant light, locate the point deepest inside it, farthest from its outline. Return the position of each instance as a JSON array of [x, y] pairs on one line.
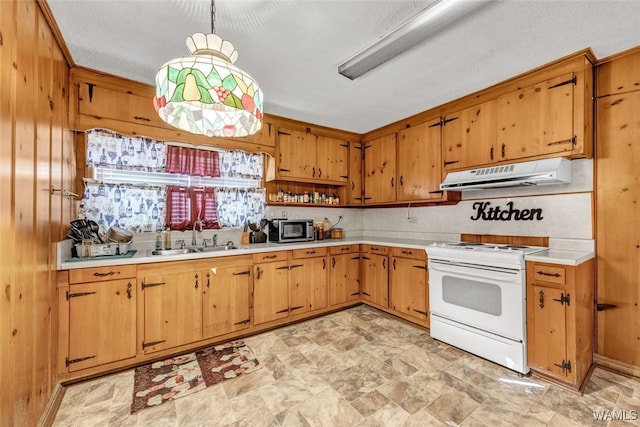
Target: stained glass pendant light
[[205, 93]]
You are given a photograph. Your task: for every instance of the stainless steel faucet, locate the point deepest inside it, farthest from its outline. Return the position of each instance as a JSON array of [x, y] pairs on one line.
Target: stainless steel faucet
[[194, 242]]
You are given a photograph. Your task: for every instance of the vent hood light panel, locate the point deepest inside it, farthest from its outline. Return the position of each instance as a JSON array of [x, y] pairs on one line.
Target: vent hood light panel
[[539, 172]]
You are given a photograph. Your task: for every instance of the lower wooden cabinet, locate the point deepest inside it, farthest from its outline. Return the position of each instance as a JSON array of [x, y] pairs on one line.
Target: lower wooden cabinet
[[226, 301], [344, 274], [270, 291], [408, 292], [560, 321], [98, 314], [172, 309], [186, 302], [375, 275], [292, 287], [102, 323], [308, 279]]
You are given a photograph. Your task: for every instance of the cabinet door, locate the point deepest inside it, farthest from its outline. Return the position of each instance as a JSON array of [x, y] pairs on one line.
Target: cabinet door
[[375, 279], [354, 191], [172, 309], [332, 159], [617, 219], [308, 284], [380, 170], [344, 278], [547, 333], [100, 102], [419, 162], [102, 323], [537, 119], [469, 136], [408, 287], [270, 291], [225, 300], [295, 154]]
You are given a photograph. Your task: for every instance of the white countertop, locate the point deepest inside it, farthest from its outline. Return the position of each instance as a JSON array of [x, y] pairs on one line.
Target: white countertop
[[559, 256], [145, 256], [554, 256]]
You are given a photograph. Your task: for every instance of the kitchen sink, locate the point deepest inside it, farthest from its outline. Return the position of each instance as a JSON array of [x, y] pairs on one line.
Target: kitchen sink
[[174, 251], [217, 248], [194, 250]]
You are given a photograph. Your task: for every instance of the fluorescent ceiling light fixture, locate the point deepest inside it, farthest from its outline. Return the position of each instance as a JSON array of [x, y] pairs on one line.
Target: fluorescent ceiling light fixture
[[428, 22]]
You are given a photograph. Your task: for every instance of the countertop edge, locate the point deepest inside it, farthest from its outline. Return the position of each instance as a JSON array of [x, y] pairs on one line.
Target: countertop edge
[[552, 256], [142, 257], [559, 256]]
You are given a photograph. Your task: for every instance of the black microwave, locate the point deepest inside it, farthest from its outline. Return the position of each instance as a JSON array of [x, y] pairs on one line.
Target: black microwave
[[290, 230]]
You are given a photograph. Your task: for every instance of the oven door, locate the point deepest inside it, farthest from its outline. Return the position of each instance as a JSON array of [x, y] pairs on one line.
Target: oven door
[[488, 298]]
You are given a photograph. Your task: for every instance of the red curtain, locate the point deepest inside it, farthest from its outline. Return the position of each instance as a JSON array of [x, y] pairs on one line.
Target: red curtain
[[191, 161], [186, 205]]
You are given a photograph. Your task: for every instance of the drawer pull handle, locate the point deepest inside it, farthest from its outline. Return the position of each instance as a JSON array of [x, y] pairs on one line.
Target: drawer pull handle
[[129, 289], [145, 119], [270, 256], [97, 274], [544, 273], [333, 261], [242, 273], [311, 252]]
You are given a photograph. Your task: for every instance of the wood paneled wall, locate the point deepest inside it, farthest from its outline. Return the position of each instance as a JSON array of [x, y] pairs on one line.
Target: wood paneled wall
[[617, 211], [36, 154]]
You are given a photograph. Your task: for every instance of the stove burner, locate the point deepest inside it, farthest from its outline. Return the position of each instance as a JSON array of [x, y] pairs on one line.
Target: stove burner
[[467, 244], [514, 247]]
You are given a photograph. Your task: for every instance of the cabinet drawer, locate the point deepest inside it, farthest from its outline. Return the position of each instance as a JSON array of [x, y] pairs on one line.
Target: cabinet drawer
[[543, 273], [309, 252], [420, 254], [100, 274], [270, 256], [375, 249], [343, 249]]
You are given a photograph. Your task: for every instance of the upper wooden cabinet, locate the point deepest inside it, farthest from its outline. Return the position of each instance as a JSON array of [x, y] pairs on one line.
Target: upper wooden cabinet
[[619, 74], [419, 162], [99, 100], [538, 119], [380, 170], [405, 166], [469, 135], [309, 157], [355, 189]]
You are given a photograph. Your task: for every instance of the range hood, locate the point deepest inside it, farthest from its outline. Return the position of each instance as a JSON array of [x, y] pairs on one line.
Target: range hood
[[538, 172]]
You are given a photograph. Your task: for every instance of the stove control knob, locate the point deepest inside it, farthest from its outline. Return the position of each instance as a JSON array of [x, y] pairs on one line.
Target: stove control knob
[[495, 248], [509, 249]]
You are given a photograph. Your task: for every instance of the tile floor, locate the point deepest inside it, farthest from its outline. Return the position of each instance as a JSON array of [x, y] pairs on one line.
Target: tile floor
[[361, 367]]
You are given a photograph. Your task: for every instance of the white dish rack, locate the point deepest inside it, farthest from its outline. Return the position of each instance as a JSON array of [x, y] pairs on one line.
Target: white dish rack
[[85, 250]]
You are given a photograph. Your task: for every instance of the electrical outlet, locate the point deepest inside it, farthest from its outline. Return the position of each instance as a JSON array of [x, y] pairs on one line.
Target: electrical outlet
[[284, 214], [412, 219]]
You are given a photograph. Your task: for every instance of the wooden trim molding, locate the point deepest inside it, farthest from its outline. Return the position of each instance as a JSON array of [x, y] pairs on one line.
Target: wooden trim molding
[[616, 365], [50, 411], [57, 34]]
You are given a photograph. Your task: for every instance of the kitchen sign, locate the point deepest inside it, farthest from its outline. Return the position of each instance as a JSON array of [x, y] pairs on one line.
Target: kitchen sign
[[486, 212]]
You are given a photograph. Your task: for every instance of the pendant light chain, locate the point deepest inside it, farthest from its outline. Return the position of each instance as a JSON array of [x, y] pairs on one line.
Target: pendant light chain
[[213, 16]]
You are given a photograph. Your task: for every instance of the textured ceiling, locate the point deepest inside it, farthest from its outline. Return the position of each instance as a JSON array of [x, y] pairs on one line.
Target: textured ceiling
[[293, 47]]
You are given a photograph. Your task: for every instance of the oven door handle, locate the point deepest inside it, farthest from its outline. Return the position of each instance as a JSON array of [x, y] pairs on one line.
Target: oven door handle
[[475, 271]]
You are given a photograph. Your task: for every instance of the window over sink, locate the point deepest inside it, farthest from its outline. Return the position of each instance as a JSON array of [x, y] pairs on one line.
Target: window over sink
[[136, 180]]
